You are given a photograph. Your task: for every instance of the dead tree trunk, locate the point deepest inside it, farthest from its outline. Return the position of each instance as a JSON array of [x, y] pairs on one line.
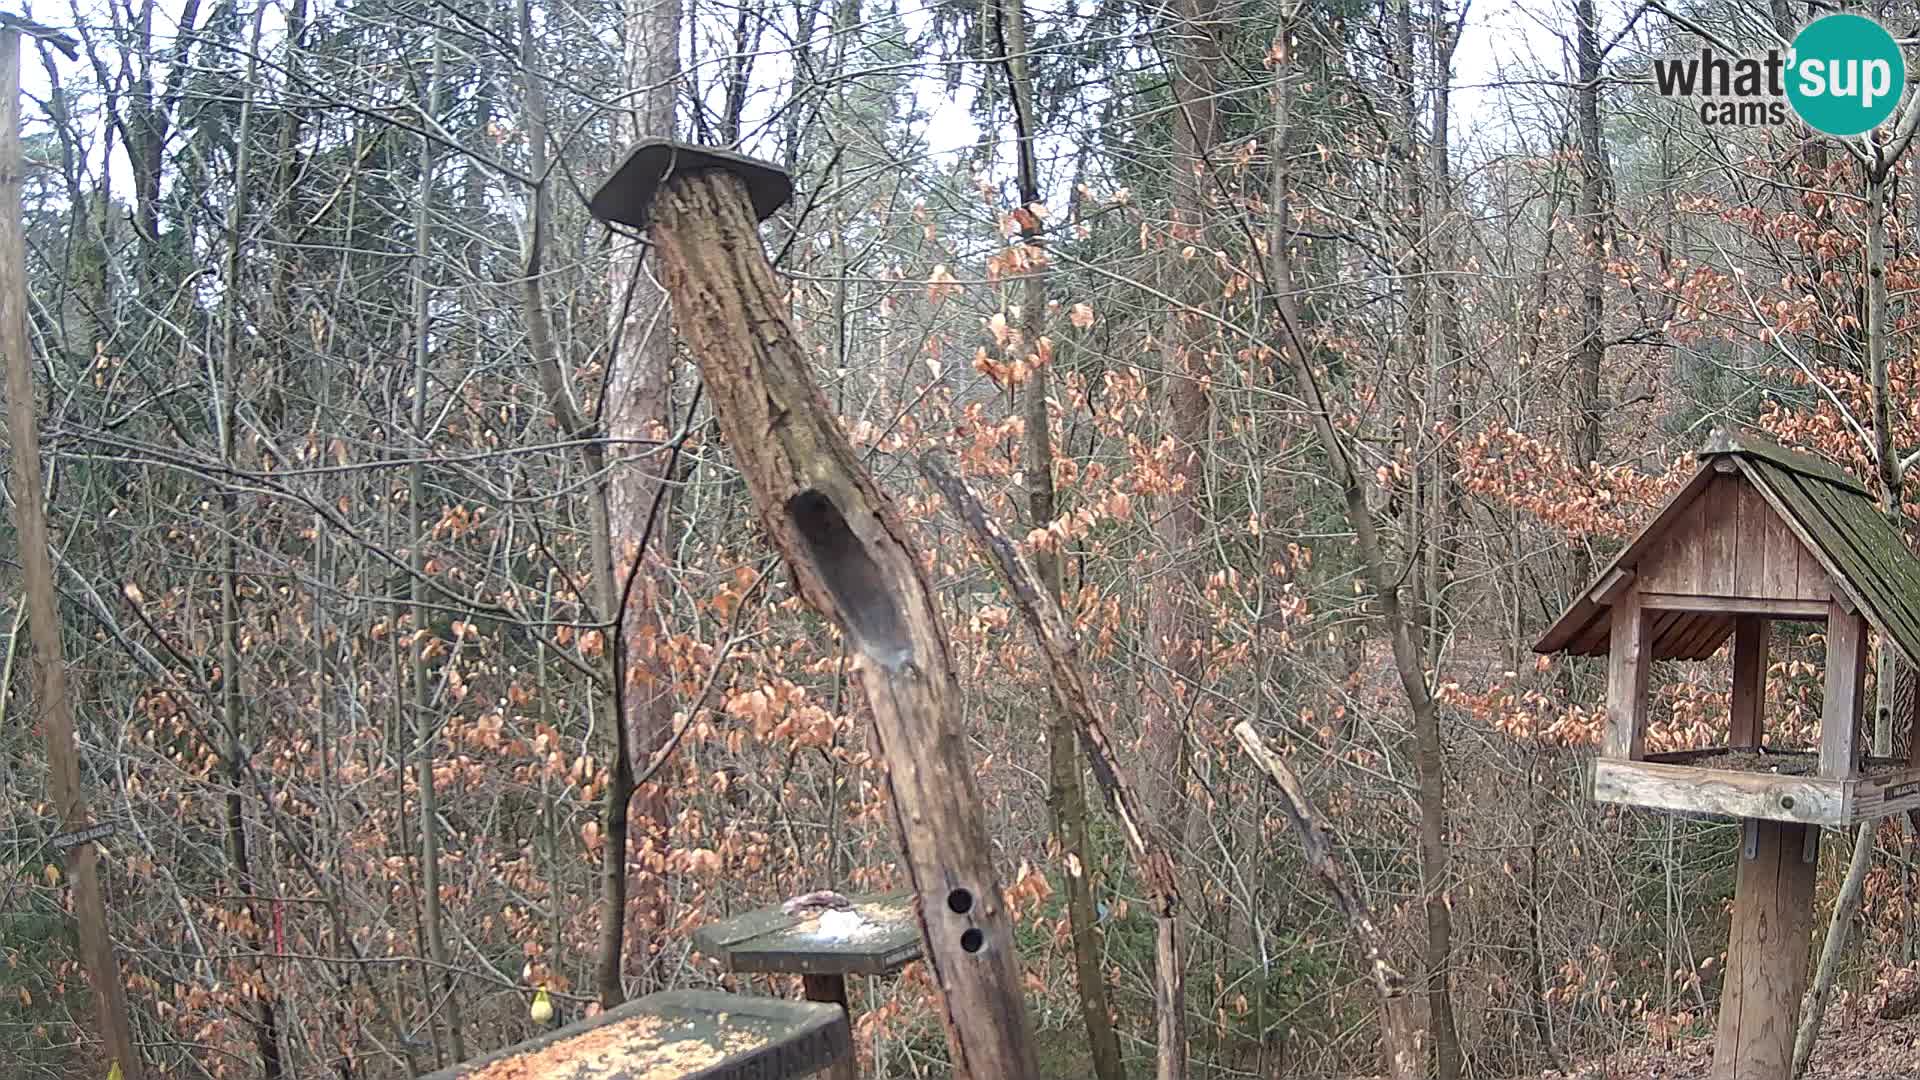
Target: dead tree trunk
[[1042, 614], [847, 549]]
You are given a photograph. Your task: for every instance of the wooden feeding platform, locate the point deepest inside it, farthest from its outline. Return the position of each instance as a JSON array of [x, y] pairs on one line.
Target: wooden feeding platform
[[877, 935], [679, 1035], [1758, 534], [1751, 782], [870, 935]]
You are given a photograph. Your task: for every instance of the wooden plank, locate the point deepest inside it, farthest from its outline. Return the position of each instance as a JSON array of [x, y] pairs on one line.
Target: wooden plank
[[1811, 800], [1719, 535], [1746, 721], [684, 1034], [1766, 956], [1627, 662], [1785, 554], [1750, 525], [1740, 605], [1882, 577], [1579, 613], [884, 939], [1610, 586], [1887, 794], [1840, 712]]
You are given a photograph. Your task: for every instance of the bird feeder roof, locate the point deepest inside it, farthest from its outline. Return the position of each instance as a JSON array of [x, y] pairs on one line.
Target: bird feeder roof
[[1832, 516]]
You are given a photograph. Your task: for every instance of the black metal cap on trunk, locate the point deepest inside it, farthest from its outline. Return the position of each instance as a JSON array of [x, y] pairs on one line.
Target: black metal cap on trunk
[[628, 194]]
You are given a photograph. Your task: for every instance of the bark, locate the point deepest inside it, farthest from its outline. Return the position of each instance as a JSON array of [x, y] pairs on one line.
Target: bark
[[42, 603], [1032, 594], [1066, 800], [1380, 576], [1590, 350], [846, 546], [639, 496], [1171, 621], [426, 730]]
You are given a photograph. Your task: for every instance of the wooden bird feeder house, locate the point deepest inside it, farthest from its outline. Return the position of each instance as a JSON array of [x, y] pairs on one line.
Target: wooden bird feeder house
[[1759, 534]]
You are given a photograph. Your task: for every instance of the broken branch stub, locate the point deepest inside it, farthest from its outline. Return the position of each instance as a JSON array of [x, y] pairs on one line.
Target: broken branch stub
[[847, 549]]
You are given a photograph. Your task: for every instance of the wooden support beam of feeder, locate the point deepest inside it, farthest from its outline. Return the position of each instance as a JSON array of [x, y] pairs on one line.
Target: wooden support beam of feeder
[[1627, 660], [847, 548], [1766, 951], [1846, 676], [1749, 681]]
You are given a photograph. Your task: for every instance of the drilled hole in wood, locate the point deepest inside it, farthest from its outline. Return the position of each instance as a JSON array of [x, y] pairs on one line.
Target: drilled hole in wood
[[973, 940], [960, 901], [867, 606], [1786, 802]]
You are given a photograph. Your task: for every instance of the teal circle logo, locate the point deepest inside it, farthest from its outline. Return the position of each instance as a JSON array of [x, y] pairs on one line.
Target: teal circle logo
[[1847, 74]]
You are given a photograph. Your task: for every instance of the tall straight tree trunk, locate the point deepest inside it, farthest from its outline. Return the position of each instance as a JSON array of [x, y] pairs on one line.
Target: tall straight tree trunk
[[233, 712], [639, 408], [1172, 624], [426, 732], [608, 964], [1847, 904], [42, 599], [1590, 349], [1382, 578], [1066, 799]]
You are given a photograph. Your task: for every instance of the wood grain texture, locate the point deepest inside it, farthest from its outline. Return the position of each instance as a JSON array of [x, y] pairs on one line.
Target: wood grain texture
[[1846, 672], [1747, 714], [851, 561], [1727, 792], [1627, 663], [1766, 957]]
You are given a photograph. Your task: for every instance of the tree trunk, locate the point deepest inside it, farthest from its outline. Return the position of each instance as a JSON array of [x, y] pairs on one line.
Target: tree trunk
[[639, 498], [42, 602], [1590, 350], [1381, 578], [426, 730], [846, 546], [1033, 597], [1066, 801]]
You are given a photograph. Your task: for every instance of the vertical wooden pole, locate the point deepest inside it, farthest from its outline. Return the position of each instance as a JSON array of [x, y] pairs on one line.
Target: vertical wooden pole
[[36, 564], [1627, 660], [1766, 954], [1846, 674], [1747, 725], [832, 989]]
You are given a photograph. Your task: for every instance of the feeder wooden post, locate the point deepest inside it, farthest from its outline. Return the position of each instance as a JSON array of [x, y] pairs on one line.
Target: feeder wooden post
[[847, 548], [1766, 951]]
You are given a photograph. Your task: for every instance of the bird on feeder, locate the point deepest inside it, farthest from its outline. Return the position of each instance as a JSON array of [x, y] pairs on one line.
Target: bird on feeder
[[821, 900]]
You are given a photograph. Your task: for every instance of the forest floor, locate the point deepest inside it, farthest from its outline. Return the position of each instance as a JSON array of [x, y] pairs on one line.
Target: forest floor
[[1866, 1049]]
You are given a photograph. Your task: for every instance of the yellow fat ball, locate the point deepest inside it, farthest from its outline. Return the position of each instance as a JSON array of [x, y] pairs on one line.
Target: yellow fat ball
[[542, 1010]]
